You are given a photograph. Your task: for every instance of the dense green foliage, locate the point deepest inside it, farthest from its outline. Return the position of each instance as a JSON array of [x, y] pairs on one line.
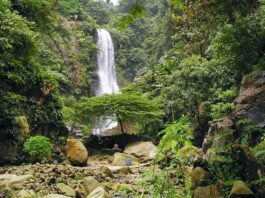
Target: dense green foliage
[[26, 87], [41, 57], [38, 148], [212, 48]]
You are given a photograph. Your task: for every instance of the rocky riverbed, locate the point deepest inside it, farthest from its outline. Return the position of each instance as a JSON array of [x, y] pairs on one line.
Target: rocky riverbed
[[40, 180]]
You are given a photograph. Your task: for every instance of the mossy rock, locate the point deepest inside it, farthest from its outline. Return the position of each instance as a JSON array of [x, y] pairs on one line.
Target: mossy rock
[[66, 190], [207, 192], [199, 176], [240, 190], [119, 159], [24, 128], [188, 154]]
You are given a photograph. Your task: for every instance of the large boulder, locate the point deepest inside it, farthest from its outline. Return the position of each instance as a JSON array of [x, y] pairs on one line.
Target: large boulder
[[199, 176], [22, 122], [99, 192], [207, 192], [10, 148], [76, 152], [141, 149], [241, 190], [120, 159]]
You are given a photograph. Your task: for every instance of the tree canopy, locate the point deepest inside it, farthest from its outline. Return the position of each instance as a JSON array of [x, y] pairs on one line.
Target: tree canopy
[[120, 107]]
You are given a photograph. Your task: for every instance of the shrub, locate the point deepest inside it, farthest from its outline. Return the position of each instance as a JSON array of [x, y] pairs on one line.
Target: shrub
[[175, 136], [38, 148], [259, 151]]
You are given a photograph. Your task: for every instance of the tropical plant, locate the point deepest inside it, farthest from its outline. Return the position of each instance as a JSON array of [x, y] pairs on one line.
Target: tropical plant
[[157, 185], [175, 136]]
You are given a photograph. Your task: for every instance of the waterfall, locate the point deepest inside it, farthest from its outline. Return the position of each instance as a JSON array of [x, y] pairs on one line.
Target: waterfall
[[106, 76], [107, 79]]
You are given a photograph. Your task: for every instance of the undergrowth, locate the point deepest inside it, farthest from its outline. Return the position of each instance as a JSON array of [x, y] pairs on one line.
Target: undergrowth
[[167, 177]]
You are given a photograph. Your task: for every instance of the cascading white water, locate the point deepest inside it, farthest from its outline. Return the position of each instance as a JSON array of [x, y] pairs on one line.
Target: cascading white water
[[107, 80]]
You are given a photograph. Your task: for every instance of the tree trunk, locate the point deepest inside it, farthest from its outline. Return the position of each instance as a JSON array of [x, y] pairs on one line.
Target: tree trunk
[[121, 125], [122, 130]]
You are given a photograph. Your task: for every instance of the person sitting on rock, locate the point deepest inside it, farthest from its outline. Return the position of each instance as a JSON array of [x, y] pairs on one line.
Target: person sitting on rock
[[116, 148]]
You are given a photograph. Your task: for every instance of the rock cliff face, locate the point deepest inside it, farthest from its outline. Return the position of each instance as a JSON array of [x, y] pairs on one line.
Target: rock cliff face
[[250, 104], [252, 98], [249, 110], [231, 139]]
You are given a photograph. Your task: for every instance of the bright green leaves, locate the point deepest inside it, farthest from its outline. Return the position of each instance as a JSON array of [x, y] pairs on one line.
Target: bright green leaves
[[175, 134], [137, 10], [177, 3], [38, 148], [17, 44]]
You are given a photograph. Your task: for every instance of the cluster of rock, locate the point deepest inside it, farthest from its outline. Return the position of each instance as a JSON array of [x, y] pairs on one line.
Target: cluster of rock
[[45, 178], [50, 181], [200, 179]]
